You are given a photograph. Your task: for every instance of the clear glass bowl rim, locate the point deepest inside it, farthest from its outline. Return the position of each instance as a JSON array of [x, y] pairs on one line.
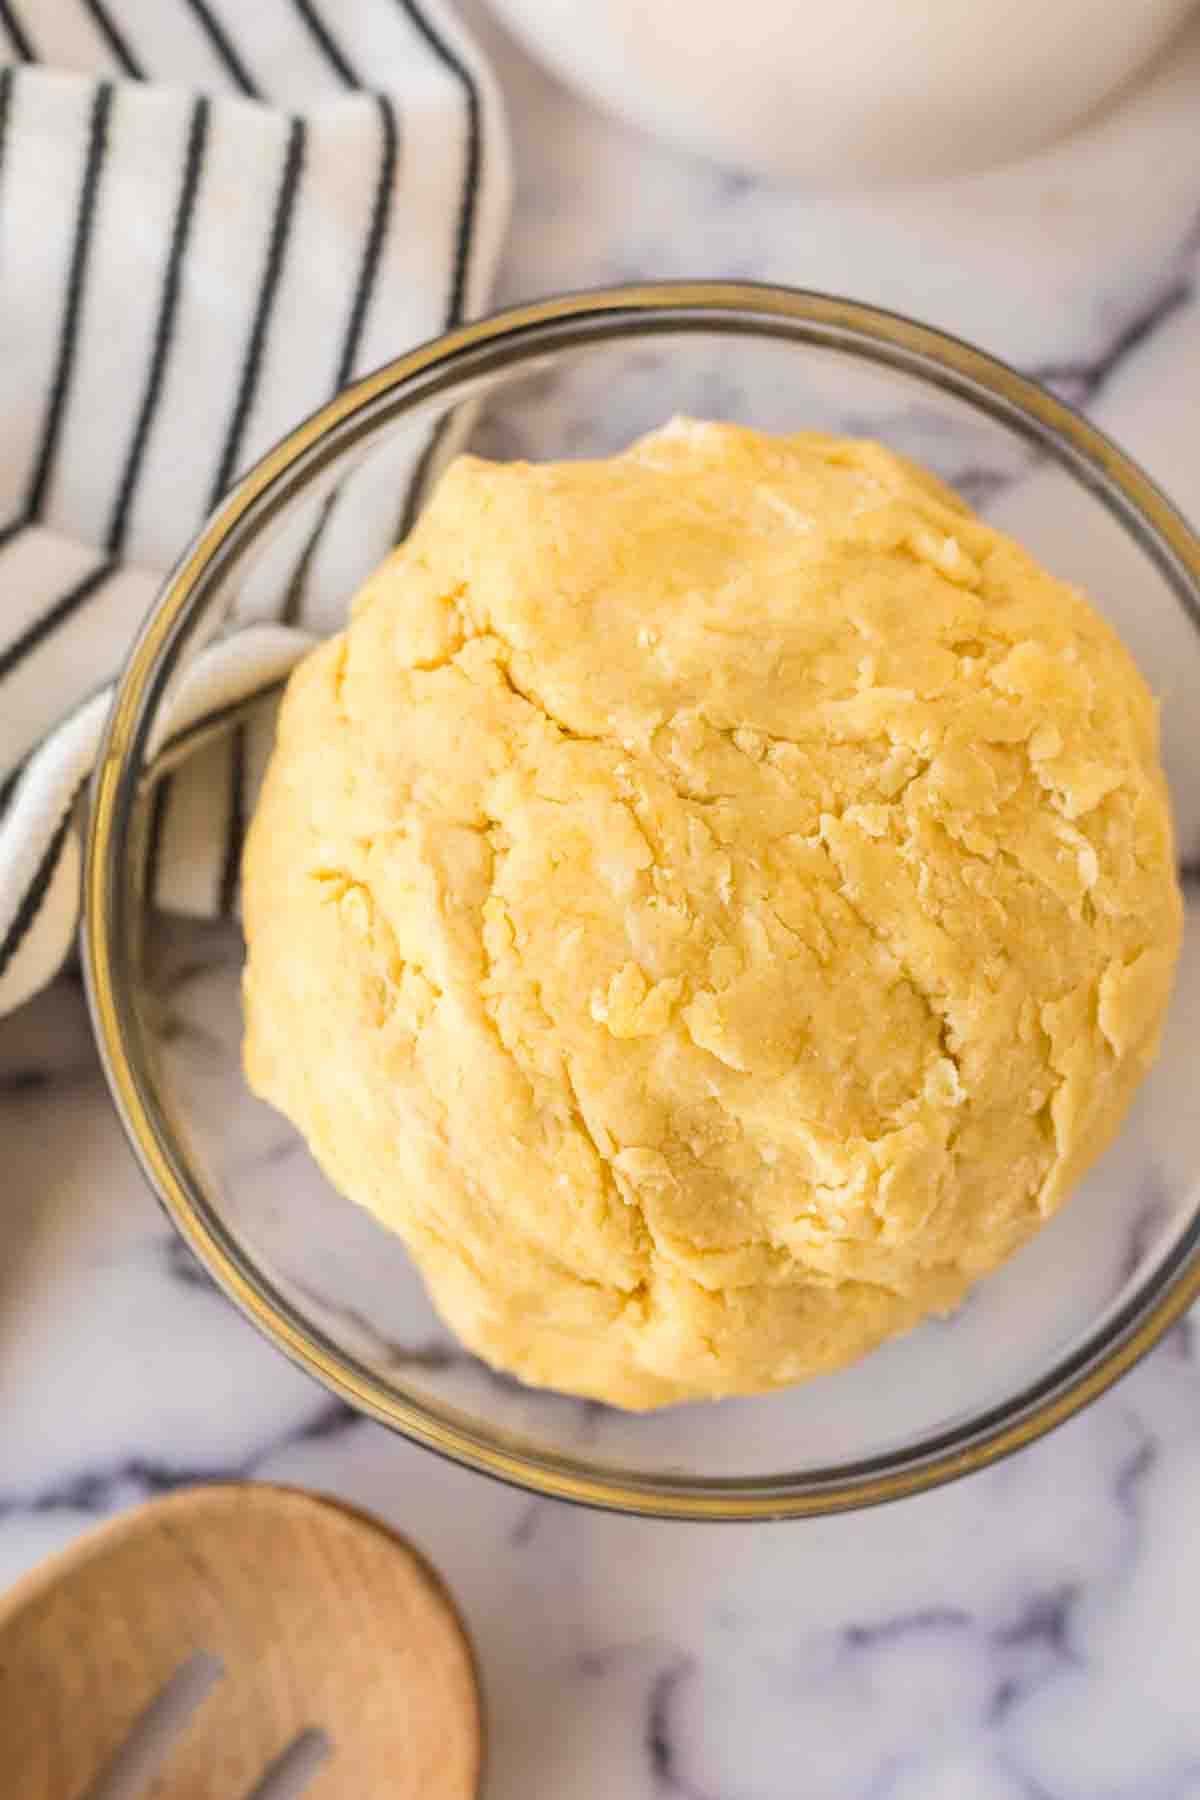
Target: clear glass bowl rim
[[111, 911]]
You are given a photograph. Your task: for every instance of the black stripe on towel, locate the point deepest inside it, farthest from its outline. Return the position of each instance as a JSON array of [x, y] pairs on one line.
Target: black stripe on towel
[[56, 615], [76, 281], [18, 37], [293, 597], [470, 189], [12, 781], [36, 892], [8, 76], [235, 834], [456, 305], [116, 40], [164, 324], [376, 234], [276, 248], [13, 529], [330, 48], [363, 289], [194, 731], [419, 479], [154, 839], [220, 41]]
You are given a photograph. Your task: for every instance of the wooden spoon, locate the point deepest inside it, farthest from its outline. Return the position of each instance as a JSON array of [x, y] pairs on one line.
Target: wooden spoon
[[323, 1622]]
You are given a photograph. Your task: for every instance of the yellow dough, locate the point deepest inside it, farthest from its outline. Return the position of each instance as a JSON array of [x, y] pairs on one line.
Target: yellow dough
[[713, 903]]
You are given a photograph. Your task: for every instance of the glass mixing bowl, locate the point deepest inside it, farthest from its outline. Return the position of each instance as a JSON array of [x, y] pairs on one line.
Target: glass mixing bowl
[[581, 376]]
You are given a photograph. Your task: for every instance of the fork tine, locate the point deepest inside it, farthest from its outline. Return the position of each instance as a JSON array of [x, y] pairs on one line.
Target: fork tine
[[155, 1732], [293, 1769]]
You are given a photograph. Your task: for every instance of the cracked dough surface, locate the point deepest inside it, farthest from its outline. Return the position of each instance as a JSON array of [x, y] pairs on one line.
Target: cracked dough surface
[[713, 903]]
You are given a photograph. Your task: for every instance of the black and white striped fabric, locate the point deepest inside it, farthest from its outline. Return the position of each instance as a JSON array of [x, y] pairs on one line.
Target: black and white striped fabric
[[213, 213]]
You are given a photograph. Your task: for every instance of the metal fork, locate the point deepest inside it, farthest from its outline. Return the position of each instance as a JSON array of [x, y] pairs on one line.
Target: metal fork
[[133, 1767]]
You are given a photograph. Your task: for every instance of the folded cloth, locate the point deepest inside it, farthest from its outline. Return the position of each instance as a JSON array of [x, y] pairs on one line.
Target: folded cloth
[[212, 216]]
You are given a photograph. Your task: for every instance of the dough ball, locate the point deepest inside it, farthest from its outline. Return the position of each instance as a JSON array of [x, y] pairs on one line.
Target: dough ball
[[713, 903]]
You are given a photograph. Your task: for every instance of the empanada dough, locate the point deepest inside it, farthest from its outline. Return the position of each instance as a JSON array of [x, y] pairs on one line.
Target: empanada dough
[[714, 903]]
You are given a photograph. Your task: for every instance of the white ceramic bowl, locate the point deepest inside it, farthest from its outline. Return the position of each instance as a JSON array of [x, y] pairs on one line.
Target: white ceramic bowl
[[860, 90]]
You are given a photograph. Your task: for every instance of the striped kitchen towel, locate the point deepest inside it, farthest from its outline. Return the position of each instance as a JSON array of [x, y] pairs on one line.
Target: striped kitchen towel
[[213, 213]]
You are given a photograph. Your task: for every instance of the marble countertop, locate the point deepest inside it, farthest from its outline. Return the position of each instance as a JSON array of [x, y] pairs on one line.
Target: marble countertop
[[1028, 1634]]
